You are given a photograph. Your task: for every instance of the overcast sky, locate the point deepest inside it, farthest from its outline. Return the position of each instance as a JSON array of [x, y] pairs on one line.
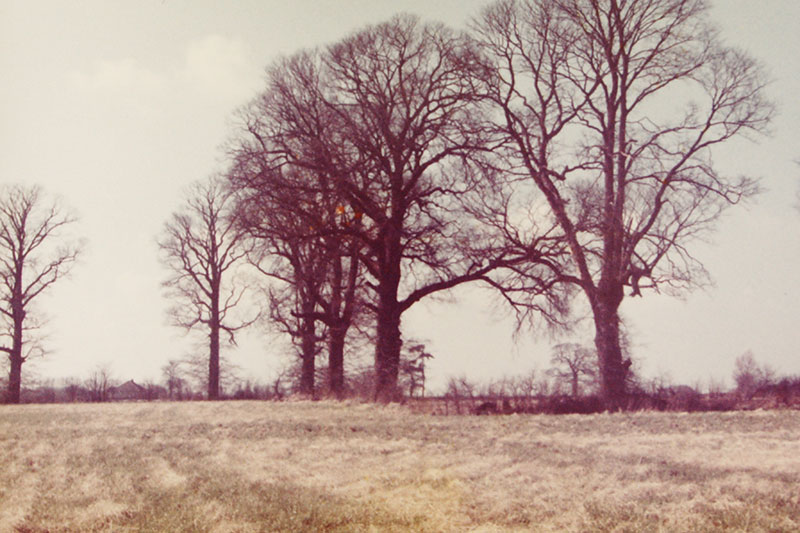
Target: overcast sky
[[116, 106]]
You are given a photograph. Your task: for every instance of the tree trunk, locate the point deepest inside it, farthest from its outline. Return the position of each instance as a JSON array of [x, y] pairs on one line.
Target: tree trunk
[[387, 352], [336, 338], [389, 341], [613, 369], [16, 359], [213, 349], [14, 378], [337, 328], [308, 349], [213, 363]]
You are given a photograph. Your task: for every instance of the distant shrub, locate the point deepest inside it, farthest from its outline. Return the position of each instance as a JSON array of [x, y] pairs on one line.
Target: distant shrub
[[722, 402], [255, 391], [682, 398], [750, 376], [562, 405]]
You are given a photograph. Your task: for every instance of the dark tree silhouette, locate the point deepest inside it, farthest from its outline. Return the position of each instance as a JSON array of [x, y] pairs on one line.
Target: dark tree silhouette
[[612, 110], [301, 223], [412, 368], [404, 99], [202, 245], [296, 223], [391, 118], [573, 364], [33, 256]]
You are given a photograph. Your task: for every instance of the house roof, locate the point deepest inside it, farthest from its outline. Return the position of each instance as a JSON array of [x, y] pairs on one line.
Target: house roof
[[129, 387]]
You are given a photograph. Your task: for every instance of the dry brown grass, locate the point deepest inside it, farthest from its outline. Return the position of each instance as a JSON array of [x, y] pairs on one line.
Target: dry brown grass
[[298, 466]]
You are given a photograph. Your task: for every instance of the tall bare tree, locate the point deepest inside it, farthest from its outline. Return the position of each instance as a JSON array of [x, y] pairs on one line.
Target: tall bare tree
[[389, 124], [296, 262], [612, 109], [33, 256], [402, 139], [202, 245], [296, 222], [291, 212], [403, 97]]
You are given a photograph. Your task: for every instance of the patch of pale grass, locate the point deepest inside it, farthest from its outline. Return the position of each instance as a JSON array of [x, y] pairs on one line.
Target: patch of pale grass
[[304, 466], [163, 475]]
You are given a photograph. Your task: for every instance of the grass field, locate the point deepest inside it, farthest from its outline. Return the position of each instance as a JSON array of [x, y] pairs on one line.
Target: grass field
[[301, 466]]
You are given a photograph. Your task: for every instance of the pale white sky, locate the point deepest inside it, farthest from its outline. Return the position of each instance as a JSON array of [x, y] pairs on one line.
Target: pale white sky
[[117, 105]]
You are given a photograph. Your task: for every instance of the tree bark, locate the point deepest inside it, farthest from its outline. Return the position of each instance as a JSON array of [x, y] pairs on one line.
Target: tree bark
[[338, 322], [213, 353], [613, 368], [14, 378], [213, 361], [308, 349], [389, 341], [15, 356], [336, 338], [387, 354]]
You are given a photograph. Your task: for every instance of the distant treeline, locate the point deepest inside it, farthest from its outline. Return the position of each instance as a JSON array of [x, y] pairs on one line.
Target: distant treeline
[[549, 392]]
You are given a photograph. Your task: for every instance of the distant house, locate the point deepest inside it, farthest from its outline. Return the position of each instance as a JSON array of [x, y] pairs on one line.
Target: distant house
[[130, 390]]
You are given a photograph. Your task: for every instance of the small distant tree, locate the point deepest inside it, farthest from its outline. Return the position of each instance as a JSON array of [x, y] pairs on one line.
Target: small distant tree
[[458, 389], [152, 391], [173, 378], [278, 385], [33, 256], [751, 376], [575, 365], [412, 368], [194, 366], [72, 389], [202, 246], [99, 384]]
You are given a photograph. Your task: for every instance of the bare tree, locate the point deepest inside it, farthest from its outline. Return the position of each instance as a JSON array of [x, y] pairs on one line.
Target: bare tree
[[173, 377], [749, 376], [404, 98], [612, 109], [301, 221], [293, 222], [202, 245], [99, 384], [33, 256], [573, 364], [72, 389], [391, 118]]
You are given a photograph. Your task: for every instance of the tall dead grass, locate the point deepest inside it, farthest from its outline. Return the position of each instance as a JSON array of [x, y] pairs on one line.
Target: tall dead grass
[[301, 466]]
